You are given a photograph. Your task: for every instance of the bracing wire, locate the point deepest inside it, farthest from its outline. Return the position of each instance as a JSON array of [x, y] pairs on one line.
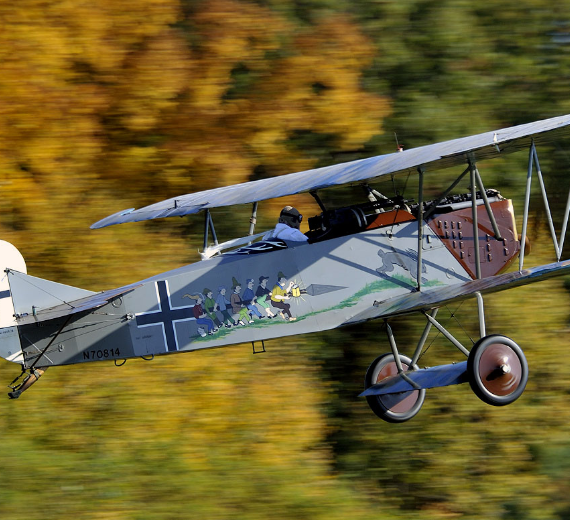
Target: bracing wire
[[452, 315]]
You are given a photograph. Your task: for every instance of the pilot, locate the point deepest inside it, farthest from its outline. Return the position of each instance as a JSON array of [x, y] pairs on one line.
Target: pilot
[[288, 226]]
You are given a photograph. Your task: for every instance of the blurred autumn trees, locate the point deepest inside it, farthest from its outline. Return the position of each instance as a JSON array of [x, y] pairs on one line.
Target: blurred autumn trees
[[106, 105], [108, 102]]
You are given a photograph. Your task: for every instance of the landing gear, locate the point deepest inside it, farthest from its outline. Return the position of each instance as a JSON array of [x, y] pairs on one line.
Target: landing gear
[[497, 369], [394, 408]]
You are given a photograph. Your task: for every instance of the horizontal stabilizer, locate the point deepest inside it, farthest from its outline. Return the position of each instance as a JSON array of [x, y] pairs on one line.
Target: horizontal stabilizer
[[434, 377], [432, 298], [94, 301]]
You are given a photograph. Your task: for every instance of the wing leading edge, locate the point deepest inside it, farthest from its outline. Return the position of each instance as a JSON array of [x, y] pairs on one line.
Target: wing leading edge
[[436, 297], [424, 378], [430, 157]]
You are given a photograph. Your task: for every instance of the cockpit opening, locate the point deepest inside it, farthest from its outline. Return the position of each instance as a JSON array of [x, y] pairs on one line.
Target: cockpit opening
[[382, 212]]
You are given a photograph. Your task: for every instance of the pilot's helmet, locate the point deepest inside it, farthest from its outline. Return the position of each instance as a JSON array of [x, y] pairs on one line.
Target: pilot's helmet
[[290, 216]]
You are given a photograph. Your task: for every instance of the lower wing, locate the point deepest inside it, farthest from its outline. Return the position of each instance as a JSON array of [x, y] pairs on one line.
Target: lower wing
[[427, 299]]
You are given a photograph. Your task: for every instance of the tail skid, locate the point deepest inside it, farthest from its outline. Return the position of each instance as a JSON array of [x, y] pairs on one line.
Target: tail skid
[[29, 380]]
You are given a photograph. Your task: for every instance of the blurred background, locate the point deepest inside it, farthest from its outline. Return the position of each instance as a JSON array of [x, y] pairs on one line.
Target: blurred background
[[107, 105]]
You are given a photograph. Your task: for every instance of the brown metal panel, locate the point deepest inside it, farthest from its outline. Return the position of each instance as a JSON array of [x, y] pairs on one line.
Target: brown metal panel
[[455, 229], [389, 218]]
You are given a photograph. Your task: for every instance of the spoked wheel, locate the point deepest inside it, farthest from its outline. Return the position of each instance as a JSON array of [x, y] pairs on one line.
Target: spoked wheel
[[498, 371], [394, 408]]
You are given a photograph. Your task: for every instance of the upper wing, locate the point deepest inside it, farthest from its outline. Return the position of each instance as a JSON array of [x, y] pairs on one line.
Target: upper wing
[[430, 157], [436, 297]]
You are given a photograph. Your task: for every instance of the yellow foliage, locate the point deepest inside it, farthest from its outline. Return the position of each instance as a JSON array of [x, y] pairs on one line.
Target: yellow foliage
[[319, 86], [107, 105]]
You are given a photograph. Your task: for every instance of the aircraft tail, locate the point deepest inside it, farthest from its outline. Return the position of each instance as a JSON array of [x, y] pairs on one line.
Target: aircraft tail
[[22, 295]]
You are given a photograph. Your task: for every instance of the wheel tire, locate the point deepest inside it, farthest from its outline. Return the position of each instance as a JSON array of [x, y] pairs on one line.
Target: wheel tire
[[393, 408], [498, 371]]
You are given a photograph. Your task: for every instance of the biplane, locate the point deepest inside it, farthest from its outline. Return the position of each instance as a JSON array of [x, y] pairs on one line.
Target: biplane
[[381, 258]]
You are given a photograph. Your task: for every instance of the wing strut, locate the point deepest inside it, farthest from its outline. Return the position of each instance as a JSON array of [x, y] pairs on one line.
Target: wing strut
[[420, 225], [434, 206], [253, 219], [486, 200], [565, 223], [475, 221], [318, 199], [545, 199], [526, 206], [209, 225], [533, 162]]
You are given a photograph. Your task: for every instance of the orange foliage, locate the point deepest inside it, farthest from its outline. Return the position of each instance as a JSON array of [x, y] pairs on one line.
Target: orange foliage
[[109, 104]]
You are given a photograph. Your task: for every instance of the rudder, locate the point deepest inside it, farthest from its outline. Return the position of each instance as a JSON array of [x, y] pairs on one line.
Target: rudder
[[10, 258]]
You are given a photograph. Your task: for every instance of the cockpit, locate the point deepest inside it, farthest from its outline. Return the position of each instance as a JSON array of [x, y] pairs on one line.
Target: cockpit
[[374, 214]]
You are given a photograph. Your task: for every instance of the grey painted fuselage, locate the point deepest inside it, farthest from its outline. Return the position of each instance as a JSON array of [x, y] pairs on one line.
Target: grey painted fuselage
[[325, 283]]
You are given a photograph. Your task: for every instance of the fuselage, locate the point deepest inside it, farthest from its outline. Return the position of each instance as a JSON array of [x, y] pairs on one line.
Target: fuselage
[[279, 289]]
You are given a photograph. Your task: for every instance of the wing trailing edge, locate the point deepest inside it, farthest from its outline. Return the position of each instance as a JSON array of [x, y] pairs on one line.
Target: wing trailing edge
[[431, 298], [431, 157]]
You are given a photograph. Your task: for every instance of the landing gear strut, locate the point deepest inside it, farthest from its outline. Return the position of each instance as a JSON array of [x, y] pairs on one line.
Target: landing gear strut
[[496, 370]]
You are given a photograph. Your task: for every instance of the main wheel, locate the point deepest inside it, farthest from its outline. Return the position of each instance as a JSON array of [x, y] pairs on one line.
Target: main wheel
[[394, 408], [498, 371]]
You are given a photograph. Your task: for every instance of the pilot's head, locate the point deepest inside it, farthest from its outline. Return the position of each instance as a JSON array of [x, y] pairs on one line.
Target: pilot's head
[[290, 216]]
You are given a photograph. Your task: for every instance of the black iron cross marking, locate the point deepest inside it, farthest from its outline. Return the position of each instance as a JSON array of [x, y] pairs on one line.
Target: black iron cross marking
[[165, 316]]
